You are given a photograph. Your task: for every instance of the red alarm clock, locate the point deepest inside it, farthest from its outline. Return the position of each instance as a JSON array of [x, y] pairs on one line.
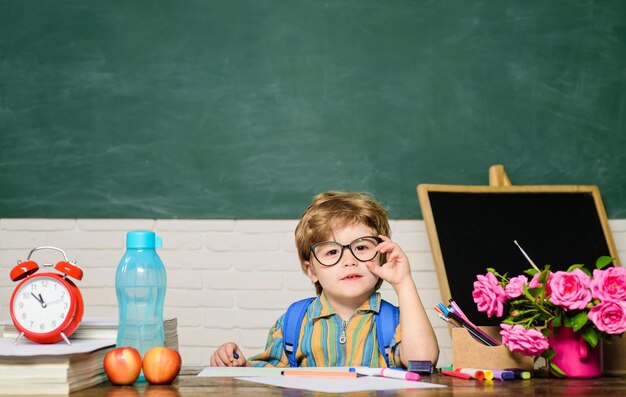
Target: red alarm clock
[[46, 307]]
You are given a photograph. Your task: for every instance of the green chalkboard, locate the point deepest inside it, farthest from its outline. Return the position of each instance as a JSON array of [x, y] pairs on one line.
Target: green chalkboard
[[247, 108]]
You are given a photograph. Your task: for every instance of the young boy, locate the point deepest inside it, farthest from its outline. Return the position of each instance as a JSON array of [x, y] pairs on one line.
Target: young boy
[[344, 248]]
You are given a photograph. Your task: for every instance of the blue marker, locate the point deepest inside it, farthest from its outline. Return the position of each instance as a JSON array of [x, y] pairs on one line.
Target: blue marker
[[503, 375], [236, 355], [443, 309]]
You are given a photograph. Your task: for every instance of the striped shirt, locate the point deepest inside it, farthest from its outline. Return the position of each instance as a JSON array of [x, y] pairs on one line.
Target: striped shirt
[[319, 344]]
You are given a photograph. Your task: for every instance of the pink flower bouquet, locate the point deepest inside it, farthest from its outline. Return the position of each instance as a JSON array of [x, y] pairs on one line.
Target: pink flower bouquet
[[594, 305]]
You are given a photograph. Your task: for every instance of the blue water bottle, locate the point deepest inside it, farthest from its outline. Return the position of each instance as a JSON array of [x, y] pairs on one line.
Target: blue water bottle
[[140, 283]]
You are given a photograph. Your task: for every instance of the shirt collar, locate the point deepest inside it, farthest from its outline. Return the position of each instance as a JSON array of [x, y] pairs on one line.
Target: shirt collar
[[322, 308]]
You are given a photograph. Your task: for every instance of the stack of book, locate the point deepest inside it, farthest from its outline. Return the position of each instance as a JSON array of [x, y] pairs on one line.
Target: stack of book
[[170, 326], [31, 368], [59, 368], [101, 328]]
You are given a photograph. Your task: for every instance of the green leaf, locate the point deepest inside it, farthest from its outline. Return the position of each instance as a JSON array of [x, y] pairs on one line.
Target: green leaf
[[556, 371], [603, 262], [591, 336], [545, 332], [581, 267], [491, 270], [569, 269], [531, 272], [556, 322], [527, 294], [545, 273], [579, 321], [568, 322], [549, 354]]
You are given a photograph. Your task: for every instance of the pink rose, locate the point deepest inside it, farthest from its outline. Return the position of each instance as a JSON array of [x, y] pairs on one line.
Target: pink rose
[[489, 295], [570, 290], [528, 342], [514, 288], [534, 283], [609, 317], [609, 284]]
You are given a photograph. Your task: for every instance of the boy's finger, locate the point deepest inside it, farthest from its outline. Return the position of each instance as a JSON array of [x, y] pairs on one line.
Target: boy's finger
[[216, 362], [223, 356]]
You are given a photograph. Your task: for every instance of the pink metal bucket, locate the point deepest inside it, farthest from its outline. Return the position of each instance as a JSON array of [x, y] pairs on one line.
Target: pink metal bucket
[[574, 355]]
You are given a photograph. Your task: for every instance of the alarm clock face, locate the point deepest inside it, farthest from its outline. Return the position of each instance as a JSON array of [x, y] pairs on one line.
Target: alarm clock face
[[42, 304]]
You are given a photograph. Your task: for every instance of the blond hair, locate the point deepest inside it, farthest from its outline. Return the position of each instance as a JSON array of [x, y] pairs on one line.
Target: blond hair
[[338, 209]]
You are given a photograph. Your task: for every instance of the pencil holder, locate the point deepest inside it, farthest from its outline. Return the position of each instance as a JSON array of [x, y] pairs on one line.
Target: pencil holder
[[467, 352]]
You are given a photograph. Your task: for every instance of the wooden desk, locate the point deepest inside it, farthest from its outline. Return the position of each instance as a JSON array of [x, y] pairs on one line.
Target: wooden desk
[[190, 385]]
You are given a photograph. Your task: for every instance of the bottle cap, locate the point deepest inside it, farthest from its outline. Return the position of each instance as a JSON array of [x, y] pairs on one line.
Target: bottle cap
[[143, 239]]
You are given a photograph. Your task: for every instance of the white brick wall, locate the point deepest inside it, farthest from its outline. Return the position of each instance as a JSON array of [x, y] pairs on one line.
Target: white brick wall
[[227, 279]]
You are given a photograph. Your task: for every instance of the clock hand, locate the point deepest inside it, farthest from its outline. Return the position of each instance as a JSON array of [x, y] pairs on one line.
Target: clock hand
[[39, 299], [43, 304]]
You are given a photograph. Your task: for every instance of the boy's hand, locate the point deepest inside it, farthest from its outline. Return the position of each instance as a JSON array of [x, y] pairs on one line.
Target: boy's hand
[[228, 355], [396, 270]]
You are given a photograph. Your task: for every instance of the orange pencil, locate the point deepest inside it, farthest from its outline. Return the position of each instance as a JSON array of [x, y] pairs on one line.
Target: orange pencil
[[321, 374]]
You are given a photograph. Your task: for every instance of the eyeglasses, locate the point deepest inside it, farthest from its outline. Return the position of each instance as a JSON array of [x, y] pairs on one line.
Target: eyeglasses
[[329, 253]]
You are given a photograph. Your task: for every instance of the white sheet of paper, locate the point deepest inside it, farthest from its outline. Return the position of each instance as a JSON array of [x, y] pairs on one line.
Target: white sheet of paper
[[272, 376], [236, 372], [333, 385], [25, 348]]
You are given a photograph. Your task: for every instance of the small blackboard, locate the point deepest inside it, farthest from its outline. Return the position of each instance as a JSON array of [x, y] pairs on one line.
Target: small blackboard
[[472, 228]]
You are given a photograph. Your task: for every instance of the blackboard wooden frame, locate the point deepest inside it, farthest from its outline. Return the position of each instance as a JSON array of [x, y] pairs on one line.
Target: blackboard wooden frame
[[426, 193]]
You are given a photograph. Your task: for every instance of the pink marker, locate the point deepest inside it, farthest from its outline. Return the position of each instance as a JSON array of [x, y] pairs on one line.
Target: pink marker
[[399, 374], [388, 373]]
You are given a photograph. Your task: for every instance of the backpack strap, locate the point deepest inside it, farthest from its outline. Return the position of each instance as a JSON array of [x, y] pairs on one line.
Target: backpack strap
[[291, 328], [387, 320]]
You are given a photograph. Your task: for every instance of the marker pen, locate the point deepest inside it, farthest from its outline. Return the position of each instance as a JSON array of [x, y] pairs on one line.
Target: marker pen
[[456, 374], [520, 373], [476, 374], [487, 372], [389, 373], [503, 375]]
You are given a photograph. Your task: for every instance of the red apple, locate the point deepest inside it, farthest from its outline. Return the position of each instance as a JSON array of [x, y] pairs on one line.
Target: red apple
[[161, 365], [122, 365]]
